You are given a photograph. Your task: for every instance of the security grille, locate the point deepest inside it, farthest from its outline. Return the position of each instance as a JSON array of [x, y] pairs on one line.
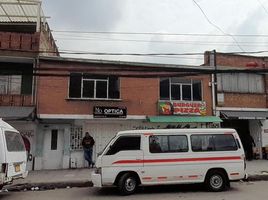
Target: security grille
[[76, 138]]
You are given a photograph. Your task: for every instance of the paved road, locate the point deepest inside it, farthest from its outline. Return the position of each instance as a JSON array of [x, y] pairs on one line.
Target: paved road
[[239, 191]]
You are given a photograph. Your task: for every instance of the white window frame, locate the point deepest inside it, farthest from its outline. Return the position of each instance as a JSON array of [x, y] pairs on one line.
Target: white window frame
[[181, 93], [95, 87]]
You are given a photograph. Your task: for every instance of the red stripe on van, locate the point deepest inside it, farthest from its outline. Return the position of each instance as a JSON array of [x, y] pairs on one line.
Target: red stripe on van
[[177, 160], [234, 174], [193, 176], [147, 178], [162, 177]]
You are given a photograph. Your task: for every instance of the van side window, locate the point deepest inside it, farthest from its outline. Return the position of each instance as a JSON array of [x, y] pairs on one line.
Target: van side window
[[213, 142], [14, 141], [125, 143], [168, 144]]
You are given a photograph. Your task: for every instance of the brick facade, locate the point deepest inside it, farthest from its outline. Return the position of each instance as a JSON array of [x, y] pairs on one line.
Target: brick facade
[[139, 95]]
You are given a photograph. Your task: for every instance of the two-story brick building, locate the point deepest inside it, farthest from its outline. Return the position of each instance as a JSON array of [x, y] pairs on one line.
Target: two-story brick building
[[242, 100], [104, 97]]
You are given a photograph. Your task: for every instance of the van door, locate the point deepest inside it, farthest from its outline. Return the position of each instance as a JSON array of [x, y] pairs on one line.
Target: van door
[[15, 153], [164, 159], [124, 154]]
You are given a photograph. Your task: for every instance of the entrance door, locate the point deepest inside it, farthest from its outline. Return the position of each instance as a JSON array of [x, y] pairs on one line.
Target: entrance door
[[53, 149]]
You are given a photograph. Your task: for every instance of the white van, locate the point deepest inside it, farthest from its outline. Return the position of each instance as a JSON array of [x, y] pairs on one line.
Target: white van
[[13, 156], [171, 156]]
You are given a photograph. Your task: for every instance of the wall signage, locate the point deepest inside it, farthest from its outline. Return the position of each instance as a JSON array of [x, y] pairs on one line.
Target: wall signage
[[182, 108], [109, 112]]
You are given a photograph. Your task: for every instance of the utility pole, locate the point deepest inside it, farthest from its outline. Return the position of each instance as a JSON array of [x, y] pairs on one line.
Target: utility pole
[[213, 63]]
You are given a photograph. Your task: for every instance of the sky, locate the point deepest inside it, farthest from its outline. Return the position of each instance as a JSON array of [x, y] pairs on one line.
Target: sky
[[171, 26]]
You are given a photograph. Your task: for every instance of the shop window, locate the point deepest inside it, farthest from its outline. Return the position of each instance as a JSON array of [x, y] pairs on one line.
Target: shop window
[[125, 143], [180, 89], [86, 86], [76, 138], [168, 144]]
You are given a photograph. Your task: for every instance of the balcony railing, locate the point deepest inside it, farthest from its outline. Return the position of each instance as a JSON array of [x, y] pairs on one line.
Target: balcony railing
[[15, 100]]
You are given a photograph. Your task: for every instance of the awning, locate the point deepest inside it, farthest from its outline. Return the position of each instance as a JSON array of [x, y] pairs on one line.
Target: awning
[[182, 119], [244, 114], [16, 112]]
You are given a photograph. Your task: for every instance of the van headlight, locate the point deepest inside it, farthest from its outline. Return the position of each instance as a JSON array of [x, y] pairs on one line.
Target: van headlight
[[98, 170]]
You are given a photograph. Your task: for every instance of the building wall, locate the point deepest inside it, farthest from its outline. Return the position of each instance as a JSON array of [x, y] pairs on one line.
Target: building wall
[[244, 100], [139, 95], [239, 99]]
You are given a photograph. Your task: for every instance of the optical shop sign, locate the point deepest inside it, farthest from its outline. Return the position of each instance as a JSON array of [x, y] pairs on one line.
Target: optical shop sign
[[109, 112], [182, 108]]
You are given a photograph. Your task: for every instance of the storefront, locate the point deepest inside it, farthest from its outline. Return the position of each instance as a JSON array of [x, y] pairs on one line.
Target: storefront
[[251, 126], [59, 144]]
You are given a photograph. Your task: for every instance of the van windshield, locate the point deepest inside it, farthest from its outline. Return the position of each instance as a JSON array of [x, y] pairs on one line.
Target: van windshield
[[106, 146], [14, 141]]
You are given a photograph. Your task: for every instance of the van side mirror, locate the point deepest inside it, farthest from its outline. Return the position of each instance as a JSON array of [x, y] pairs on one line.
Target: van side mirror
[[30, 157]]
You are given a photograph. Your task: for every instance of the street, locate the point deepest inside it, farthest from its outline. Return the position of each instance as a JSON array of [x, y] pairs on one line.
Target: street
[[240, 190]]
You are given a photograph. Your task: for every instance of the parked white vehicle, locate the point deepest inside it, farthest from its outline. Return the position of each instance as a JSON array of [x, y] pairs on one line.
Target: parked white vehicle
[[13, 156], [171, 156]]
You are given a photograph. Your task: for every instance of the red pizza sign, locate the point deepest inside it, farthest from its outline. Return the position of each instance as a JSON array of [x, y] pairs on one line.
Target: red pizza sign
[[182, 108]]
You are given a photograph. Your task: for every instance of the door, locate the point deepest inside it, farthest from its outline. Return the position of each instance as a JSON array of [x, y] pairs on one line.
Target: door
[[53, 149]]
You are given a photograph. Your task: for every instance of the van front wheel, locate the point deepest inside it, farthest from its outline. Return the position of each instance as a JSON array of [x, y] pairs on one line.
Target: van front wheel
[[216, 181], [127, 184]]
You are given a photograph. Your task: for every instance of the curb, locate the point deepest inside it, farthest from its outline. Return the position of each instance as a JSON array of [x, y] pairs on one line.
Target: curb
[[47, 186], [258, 177], [70, 184]]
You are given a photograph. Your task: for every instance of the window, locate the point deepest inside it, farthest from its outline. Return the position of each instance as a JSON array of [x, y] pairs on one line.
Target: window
[[125, 143], [86, 86], [14, 141], [213, 143], [240, 82], [180, 89], [54, 139], [76, 138], [168, 144], [18, 84]]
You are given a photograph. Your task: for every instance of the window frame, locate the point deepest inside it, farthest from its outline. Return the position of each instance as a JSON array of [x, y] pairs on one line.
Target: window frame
[[213, 135], [181, 84], [94, 80], [168, 143], [108, 153]]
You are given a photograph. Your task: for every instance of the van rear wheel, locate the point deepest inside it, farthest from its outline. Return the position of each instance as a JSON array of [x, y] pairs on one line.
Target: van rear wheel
[[216, 181], [127, 184]]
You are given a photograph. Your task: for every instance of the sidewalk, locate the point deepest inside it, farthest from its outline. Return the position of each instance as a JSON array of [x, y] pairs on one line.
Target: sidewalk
[[50, 179]]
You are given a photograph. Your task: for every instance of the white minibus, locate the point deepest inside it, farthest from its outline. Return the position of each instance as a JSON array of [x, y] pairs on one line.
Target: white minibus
[[13, 156], [171, 156]]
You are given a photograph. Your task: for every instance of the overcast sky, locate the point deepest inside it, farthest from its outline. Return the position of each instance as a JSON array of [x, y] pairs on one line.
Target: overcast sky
[[219, 17]]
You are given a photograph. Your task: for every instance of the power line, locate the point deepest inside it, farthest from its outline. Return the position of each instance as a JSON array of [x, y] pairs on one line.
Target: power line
[[217, 27], [158, 33], [264, 8]]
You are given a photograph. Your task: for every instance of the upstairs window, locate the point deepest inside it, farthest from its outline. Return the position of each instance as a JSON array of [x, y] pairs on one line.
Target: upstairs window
[[86, 86], [19, 84], [241, 83], [180, 89]]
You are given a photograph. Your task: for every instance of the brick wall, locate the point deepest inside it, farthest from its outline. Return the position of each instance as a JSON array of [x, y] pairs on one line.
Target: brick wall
[[236, 99], [139, 95]]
